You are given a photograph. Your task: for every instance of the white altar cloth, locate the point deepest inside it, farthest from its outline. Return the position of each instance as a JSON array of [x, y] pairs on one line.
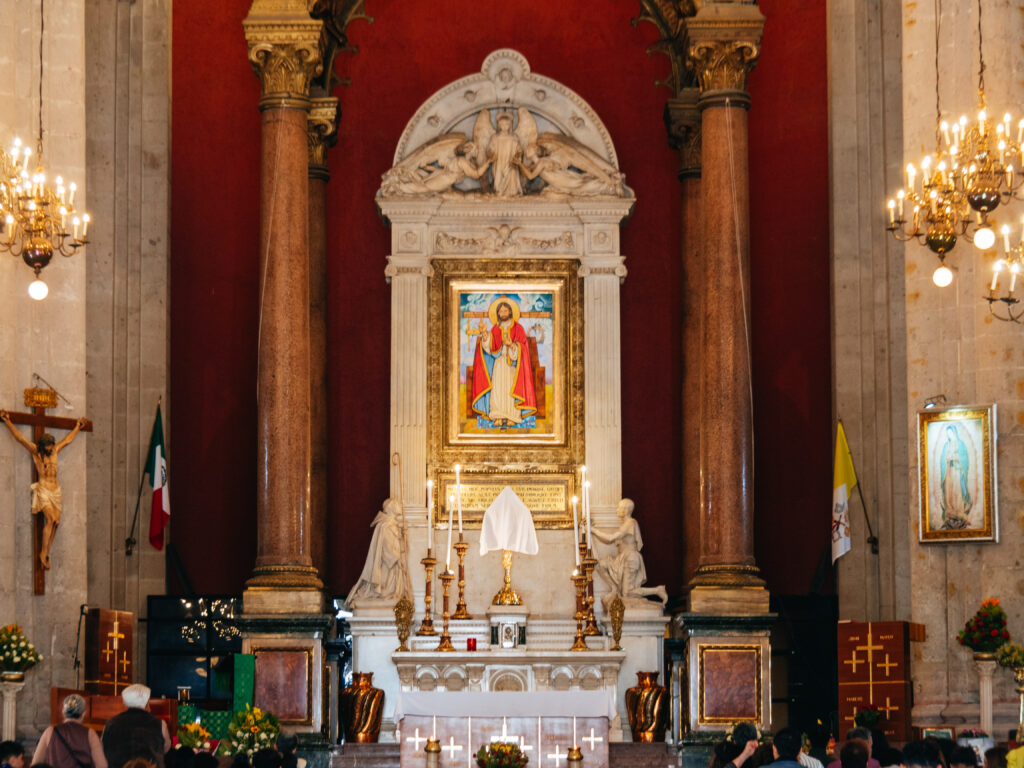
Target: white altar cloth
[[505, 704]]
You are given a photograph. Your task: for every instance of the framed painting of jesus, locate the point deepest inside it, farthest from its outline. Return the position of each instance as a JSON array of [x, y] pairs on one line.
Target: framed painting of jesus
[[957, 469]]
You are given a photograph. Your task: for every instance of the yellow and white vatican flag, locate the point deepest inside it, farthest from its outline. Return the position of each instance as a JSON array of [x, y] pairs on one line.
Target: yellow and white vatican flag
[[844, 479]]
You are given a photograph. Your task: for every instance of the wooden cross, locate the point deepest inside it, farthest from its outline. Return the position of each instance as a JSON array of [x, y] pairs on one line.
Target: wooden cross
[[40, 400]]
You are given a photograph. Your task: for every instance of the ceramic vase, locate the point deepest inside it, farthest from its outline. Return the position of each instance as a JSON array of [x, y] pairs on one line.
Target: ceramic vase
[[362, 707], [646, 704]]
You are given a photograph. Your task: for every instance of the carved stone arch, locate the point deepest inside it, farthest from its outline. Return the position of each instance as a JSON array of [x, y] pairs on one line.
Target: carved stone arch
[[505, 79], [589, 678], [509, 680], [426, 678]]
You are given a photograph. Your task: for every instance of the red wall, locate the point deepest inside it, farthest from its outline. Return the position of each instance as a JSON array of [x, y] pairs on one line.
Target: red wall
[[410, 51]]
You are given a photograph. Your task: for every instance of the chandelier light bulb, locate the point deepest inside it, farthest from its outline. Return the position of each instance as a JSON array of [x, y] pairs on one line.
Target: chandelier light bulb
[[942, 276], [1005, 231], [38, 290], [984, 238]]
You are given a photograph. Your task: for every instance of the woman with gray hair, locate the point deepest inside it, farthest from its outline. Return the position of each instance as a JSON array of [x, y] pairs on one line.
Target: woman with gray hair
[[70, 744]]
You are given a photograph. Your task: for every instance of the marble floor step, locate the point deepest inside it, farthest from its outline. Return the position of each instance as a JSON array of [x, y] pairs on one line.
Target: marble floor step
[[365, 756], [628, 754]]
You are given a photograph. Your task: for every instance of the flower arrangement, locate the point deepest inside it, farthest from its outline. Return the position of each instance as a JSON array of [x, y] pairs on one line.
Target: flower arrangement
[[986, 630], [867, 717], [1011, 655], [194, 735], [16, 652], [250, 730], [501, 754]]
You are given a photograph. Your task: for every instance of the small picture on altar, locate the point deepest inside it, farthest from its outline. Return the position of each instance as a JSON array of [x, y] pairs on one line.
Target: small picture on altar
[[957, 474], [938, 733], [507, 345]]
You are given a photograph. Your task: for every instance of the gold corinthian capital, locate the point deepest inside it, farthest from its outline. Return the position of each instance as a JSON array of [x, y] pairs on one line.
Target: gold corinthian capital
[[286, 48], [723, 43], [322, 132]]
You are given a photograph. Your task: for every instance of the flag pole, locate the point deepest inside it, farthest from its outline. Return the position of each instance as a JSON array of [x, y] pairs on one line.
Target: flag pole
[[130, 543], [872, 539]]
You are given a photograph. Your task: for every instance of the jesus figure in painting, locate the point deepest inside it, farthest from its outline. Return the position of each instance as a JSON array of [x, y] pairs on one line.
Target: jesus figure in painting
[[502, 386]]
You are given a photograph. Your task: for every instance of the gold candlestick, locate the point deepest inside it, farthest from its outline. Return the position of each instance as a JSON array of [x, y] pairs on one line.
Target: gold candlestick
[[433, 752], [460, 607], [427, 625], [575, 757], [580, 580], [446, 639], [589, 563]]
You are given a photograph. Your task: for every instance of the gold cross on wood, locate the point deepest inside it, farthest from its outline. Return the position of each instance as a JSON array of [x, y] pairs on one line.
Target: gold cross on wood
[[889, 707], [887, 665], [115, 634], [124, 662], [106, 652], [869, 647], [853, 661]]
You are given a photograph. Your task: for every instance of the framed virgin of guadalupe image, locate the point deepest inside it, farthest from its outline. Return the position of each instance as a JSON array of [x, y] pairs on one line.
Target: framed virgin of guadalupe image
[[509, 382], [958, 474]]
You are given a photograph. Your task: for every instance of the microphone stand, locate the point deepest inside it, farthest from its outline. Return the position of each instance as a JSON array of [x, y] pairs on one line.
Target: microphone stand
[[77, 663]]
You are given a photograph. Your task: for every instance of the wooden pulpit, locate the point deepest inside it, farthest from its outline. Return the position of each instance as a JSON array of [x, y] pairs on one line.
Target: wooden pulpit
[[108, 651], [874, 672]]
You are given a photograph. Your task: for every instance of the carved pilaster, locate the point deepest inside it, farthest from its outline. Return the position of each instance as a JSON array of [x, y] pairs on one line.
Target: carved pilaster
[[286, 50], [322, 133], [723, 43], [682, 121]]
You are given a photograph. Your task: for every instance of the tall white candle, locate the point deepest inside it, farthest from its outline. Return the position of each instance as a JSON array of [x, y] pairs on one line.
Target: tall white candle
[[575, 533], [458, 493], [430, 521], [433, 730], [448, 549], [586, 495]]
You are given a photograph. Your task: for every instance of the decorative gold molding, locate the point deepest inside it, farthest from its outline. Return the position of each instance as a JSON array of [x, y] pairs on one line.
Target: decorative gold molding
[[669, 18], [286, 49], [723, 64], [682, 121], [336, 15], [322, 133]]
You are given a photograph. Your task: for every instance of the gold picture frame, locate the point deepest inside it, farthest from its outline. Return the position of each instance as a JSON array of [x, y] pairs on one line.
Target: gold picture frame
[[957, 470], [544, 298]]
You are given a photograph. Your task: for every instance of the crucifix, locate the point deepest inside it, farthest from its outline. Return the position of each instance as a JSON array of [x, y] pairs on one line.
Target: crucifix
[[46, 495]]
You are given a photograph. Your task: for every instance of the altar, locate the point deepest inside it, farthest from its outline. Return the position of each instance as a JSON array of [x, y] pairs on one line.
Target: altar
[[545, 725]]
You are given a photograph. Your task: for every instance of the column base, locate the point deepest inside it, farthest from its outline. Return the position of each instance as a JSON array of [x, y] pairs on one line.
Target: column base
[[267, 600], [728, 589], [285, 577]]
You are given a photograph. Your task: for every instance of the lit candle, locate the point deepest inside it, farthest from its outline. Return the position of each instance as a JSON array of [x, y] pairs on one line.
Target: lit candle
[[911, 173], [430, 523], [448, 549], [934, 199], [945, 131], [433, 730], [85, 225], [586, 493], [901, 196], [995, 275], [1006, 239], [71, 198], [1002, 152], [1022, 231], [892, 213], [458, 492], [1006, 124], [574, 730], [1020, 131], [575, 533], [76, 222], [27, 152], [1009, 177], [1014, 269]]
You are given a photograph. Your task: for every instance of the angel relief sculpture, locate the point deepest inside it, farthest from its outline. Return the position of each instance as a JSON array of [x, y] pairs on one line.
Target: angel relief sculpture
[[507, 157]]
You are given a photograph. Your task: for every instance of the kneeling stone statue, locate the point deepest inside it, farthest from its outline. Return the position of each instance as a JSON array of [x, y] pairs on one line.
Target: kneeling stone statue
[[385, 575], [624, 571]]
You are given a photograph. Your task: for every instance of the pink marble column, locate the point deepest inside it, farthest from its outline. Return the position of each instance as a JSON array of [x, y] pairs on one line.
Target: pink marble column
[[723, 44], [284, 48]]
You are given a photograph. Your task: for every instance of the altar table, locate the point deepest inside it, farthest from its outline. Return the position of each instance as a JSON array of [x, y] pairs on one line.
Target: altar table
[[545, 724]]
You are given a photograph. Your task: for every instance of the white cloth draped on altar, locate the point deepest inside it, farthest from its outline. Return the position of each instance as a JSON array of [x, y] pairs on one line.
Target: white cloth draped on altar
[[506, 704]]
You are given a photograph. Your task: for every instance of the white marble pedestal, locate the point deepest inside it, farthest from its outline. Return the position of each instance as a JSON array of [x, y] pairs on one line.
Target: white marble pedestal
[[10, 693]]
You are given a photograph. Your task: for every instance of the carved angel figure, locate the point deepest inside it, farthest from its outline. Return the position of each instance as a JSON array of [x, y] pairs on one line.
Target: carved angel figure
[[433, 168], [569, 167], [503, 148]]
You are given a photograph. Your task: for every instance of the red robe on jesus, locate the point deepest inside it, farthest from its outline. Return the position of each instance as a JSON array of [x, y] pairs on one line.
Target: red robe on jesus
[[507, 347]]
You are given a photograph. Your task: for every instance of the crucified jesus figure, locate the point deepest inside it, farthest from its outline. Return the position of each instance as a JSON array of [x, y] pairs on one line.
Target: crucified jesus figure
[[46, 497]]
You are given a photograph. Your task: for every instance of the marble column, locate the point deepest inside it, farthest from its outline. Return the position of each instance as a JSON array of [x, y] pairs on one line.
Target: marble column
[[682, 119], [322, 133], [285, 48], [723, 42], [10, 691]]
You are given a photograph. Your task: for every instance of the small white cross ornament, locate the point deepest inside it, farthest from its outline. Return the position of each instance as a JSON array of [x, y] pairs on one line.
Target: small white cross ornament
[[452, 747], [558, 755], [523, 745], [592, 738], [416, 739], [505, 736]]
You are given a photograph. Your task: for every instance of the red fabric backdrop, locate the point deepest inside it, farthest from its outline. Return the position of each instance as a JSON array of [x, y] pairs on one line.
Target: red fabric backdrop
[[411, 50]]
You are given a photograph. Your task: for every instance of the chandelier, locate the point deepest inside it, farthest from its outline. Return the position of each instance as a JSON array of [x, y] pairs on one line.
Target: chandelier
[[971, 174], [35, 217]]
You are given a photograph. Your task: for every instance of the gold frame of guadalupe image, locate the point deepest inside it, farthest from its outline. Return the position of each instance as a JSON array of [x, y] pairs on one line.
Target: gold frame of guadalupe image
[[546, 456], [957, 470]]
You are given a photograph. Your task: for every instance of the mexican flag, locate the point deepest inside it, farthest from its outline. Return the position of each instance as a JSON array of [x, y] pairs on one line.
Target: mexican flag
[[844, 480], [156, 469]]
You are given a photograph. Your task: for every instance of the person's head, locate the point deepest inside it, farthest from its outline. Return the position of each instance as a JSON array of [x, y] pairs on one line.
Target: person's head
[[180, 757], [995, 757], [625, 508], [787, 743], [205, 760], [504, 311], [963, 757], [921, 754], [139, 762], [287, 743], [267, 758], [864, 734], [12, 753], [854, 754], [136, 696], [73, 707], [45, 444]]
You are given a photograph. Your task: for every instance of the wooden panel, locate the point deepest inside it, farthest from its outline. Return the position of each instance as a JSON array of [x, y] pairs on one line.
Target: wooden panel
[[109, 667], [283, 683], [99, 708]]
